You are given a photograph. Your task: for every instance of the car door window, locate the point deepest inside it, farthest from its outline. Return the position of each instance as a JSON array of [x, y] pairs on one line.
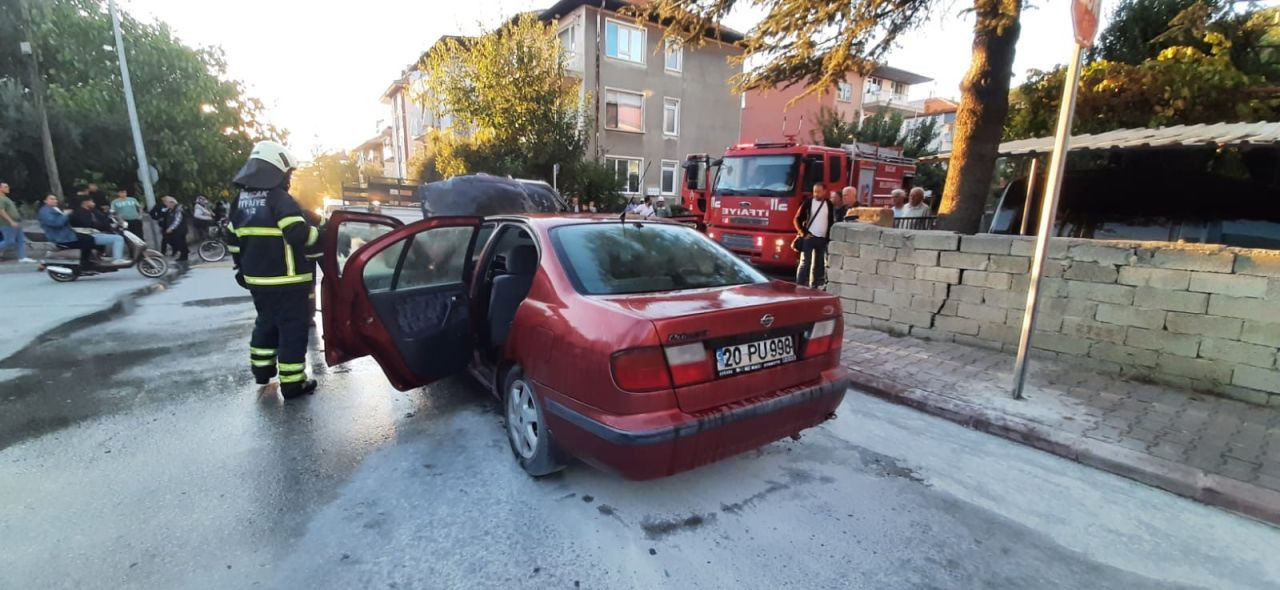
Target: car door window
[[354, 234], [435, 258]]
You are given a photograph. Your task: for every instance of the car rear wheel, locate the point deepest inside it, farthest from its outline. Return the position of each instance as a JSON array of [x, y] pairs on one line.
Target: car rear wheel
[[526, 429]]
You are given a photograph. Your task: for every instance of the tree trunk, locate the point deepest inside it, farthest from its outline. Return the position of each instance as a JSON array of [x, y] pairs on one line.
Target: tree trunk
[[984, 102]]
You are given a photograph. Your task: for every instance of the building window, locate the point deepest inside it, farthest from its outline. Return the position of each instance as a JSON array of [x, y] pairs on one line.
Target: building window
[[624, 111], [567, 40], [844, 91], [624, 42], [674, 59], [627, 171], [670, 172], [671, 116]]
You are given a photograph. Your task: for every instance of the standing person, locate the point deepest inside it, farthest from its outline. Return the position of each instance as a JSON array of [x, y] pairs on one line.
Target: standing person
[[645, 208], [175, 228], [100, 200], [915, 206], [202, 217], [848, 200], [575, 206], [269, 239], [813, 222], [662, 210], [591, 207], [129, 210], [57, 227], [88, 216], [11, 226], [220, 211], [159, 213], [899, 197]]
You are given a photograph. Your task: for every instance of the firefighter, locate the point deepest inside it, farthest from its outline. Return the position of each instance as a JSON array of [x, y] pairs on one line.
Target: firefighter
[[270, 241]]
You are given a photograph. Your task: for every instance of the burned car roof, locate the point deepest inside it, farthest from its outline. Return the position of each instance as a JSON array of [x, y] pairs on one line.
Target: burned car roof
[[482, 195]]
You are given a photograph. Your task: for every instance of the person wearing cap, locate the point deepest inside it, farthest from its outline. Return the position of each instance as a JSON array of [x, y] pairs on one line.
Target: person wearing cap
[[270, 239], [662, 210]]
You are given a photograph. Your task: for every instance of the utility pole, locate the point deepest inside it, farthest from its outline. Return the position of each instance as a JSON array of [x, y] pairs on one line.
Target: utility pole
[[28, 48], [144, 169]]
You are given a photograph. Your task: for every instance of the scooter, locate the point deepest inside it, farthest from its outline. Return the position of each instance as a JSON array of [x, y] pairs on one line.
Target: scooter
[[63, 265]]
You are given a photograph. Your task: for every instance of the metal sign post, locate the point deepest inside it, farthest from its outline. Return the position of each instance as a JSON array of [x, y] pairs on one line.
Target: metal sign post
[[143, 167], [1084, 17]]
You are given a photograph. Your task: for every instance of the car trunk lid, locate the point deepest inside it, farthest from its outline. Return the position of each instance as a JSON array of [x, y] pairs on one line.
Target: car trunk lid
[[755, 322]]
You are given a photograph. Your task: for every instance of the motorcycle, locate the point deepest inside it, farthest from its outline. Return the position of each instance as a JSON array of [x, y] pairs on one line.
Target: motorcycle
[[63, 265]]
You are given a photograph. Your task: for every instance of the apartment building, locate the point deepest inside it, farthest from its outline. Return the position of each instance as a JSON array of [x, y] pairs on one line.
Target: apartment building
[[654, 102], [411, 120], [770, 114], [377, 152], [941, 110]]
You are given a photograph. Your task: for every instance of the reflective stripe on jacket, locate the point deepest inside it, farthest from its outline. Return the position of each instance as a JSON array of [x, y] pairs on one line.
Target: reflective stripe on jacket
[[268, 238]]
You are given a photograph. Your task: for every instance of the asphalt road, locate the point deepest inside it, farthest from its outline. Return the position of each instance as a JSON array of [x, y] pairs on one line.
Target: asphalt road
[[137, 453]]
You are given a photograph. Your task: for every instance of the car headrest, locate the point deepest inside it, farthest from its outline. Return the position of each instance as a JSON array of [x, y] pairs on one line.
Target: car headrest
[[522, 260]]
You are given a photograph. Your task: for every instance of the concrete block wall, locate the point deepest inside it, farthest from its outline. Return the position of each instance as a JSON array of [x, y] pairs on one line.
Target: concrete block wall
[[1205, 317]]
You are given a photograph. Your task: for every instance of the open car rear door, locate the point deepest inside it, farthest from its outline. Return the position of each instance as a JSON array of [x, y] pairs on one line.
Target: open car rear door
[[345, 233], [409, 299]]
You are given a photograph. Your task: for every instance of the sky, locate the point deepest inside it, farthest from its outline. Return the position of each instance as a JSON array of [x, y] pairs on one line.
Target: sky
[[321, 68]]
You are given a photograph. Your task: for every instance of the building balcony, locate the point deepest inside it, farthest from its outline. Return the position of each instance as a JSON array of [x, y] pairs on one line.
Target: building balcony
[[892, 101]]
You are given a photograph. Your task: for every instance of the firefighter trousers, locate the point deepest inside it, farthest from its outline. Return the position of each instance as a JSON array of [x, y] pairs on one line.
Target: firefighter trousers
[[279, 340]]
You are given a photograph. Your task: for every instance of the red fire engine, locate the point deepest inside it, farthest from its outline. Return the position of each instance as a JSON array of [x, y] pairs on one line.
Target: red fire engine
[[750, 202]]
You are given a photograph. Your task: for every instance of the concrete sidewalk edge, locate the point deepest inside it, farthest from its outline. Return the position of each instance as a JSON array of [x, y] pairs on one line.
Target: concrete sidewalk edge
[[1190, 482]]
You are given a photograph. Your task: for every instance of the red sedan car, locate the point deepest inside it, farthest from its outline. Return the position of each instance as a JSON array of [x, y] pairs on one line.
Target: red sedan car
[[642, 348]]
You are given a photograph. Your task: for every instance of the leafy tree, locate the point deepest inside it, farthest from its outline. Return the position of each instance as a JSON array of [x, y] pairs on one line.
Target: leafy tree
[[323, 177], [881, 128], [515, 110], [818, 42], [197, 124], [1182, 85], [592, 181], [1132, 36]]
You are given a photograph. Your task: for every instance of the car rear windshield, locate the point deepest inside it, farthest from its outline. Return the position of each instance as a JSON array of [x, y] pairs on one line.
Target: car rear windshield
[[620, 258]]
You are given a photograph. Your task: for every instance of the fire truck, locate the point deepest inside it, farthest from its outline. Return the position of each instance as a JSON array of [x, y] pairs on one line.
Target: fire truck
[[749, 197]]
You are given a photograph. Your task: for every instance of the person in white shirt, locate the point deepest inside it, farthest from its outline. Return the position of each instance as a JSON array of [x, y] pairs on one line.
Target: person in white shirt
[[813, 222], [645, 209], [899, 197], [915, 206]]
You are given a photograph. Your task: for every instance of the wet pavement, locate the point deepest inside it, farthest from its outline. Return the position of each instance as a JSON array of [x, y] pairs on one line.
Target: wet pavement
[[137, 453]]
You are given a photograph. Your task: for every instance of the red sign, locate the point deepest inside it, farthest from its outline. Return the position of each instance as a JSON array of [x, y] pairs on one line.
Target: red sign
[[1084, 17]]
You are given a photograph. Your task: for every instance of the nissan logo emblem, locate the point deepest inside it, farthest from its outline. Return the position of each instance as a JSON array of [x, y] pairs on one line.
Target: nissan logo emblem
[[766, 320]]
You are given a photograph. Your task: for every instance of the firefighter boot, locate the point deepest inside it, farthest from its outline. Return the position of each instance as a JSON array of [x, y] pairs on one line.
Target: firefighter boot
[[297, 388]]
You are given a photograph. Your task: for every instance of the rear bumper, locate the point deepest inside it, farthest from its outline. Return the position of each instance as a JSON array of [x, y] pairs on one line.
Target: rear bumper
[[770, 253], [631, 447]]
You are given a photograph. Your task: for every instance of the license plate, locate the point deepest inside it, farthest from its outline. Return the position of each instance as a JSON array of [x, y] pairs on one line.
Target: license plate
[[753, 356]]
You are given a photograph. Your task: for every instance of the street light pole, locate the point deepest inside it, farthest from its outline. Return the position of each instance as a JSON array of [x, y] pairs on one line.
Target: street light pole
[[144, 169], [28, 48]]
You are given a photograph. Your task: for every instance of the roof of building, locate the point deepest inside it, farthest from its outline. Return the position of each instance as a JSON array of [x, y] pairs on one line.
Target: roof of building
[[375, 141], [1177, 136], [563, 7], [936, 106], [899, 75]]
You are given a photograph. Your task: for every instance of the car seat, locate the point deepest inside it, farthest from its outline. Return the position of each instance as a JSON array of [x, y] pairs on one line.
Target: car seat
[[509, 289]]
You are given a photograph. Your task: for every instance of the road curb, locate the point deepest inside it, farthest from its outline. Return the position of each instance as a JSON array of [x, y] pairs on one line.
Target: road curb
[[1190, 482]]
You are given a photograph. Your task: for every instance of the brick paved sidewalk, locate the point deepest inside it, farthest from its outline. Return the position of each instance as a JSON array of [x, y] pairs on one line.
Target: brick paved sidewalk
[[1219, 451]]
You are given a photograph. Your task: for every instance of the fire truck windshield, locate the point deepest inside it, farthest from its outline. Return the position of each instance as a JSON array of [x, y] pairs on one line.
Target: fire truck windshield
[[757, 175]]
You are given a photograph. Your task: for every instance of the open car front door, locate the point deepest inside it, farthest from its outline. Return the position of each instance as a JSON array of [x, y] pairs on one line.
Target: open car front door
[[409, 300], [345, 232]]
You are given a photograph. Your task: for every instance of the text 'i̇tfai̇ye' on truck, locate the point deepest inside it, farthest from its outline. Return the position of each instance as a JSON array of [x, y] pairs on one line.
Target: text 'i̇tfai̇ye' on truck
[[749, 197]]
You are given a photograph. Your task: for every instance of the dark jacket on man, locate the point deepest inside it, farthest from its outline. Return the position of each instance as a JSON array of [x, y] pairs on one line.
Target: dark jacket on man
[[90, 219]]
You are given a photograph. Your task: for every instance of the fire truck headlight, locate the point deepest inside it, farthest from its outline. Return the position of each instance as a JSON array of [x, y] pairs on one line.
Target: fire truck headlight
[[779, 242], [759, 241]]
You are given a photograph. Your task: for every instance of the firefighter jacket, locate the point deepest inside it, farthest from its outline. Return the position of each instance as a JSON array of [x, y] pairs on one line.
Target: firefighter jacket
[[270, 240]]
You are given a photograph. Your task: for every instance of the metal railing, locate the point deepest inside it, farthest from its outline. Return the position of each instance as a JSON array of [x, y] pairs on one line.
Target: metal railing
[[915, 222]]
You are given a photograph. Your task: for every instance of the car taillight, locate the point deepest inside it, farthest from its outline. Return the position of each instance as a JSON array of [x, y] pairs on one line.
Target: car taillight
[[641, 369], [689, 364], [819, 338]]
